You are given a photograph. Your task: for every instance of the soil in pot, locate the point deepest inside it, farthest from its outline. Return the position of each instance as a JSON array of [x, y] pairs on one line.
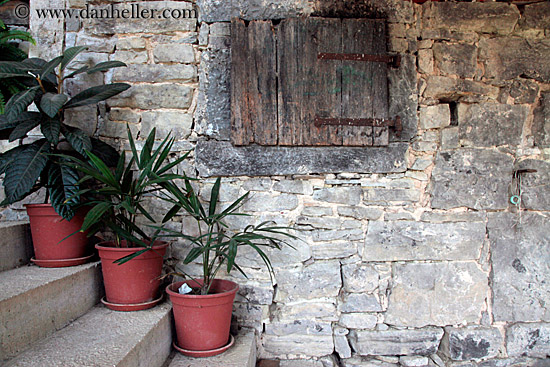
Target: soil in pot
[[49, 233], [203, 321], [135, 284]]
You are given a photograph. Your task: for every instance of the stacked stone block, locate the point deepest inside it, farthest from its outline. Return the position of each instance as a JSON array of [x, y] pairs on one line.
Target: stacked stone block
[[415, 258]]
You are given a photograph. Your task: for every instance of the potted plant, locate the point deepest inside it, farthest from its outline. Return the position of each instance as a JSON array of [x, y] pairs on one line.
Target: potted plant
[[10, 51], [203, 316], [34, 163], [132, 260]]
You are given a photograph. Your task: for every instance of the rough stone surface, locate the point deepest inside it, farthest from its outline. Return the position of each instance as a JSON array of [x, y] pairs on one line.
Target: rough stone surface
[[535, 186], [241, 354], [464, 344], [403, 95], [446, 88], [413, 240], [30, 300], [436, 294], [174, 53], [155, 73], [149, 96], [536, 16], [532, 340], [456, 59], [522, 91], [541, 122], [360, 278], [213, 113], [340, 195], [15, 244], [483, 18], [515, 362], [434, 117], [303, 327], [360, 302], [366, 362], [261, 202], [358, 320], [426, 61], [472, 178], [293, 187], [413, 361], [521, 270], [225, 10], [511, 57], [419, 342], [295, 344], [318, 280], [176, 124], [221, 158], [477, 124], [359, 212], [387, 197], [143, 339]]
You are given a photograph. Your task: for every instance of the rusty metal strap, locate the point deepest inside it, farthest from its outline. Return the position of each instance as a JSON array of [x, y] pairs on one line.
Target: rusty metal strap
[[393, 61], [374, 122]]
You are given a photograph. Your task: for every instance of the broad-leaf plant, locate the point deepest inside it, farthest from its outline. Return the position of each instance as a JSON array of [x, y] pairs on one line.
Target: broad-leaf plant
[[9, 51], [34, 164]]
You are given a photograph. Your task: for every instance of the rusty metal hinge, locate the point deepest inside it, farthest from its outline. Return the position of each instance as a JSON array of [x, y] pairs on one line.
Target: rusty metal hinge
[[374, 122], [393, 61]]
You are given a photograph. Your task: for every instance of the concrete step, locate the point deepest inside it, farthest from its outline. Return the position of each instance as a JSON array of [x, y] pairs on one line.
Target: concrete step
[[15, 244], [104, 338], [241, 354], [35, 302]]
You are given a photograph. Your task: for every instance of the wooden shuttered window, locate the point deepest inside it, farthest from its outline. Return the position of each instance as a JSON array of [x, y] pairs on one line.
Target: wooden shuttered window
[[310, 82]]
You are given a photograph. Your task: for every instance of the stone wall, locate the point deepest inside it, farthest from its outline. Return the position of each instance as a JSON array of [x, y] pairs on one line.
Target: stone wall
[[427, 263]]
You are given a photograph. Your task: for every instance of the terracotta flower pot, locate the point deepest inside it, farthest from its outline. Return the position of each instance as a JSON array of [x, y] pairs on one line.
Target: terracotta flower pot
[[203, 321], [135, 284], [48, 230]]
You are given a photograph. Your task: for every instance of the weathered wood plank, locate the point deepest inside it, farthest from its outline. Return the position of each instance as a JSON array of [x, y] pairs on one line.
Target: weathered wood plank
[[241, 129], [357, 81], [254, 83], [217, 158], [308, 87], [380, 83]]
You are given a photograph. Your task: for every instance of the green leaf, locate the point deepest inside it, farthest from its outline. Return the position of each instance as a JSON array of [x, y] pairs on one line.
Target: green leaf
[[102, 172], [7, 157], [50, 66], [95, 214], [105, 152], [34, 64], [51, 103], [50, 129], [70, 54], [106, 65], [145, 156], [6, 123], [76, 72], [127, 258], [21, 130], [96, 94], [63, 188], [214, 195], [23, 172], [13, 69], [19, 102], [78, 139], [171, 213]]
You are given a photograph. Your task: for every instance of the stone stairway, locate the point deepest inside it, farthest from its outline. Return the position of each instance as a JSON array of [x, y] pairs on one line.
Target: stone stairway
[[52, 317]]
